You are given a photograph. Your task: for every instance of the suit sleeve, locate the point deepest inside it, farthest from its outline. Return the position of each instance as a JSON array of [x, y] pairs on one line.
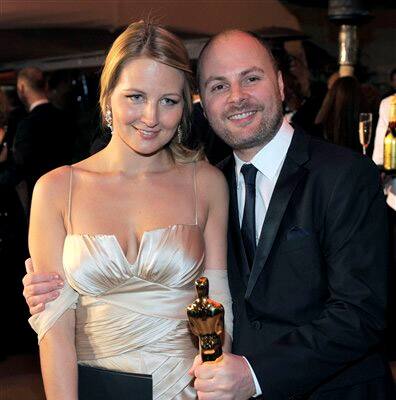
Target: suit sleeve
[[23, 145], [354, 250]]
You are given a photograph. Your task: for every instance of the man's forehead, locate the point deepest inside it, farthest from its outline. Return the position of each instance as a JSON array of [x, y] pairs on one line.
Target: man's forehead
[[235, 57]]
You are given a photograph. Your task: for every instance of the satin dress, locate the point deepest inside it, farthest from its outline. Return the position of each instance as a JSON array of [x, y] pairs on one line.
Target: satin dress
[[132, 317]]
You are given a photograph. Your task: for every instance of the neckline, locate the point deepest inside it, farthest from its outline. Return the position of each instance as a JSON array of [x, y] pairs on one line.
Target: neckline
[[118, 244]]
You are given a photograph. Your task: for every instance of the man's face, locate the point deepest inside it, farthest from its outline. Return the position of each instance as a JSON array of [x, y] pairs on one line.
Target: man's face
[[241, 92]]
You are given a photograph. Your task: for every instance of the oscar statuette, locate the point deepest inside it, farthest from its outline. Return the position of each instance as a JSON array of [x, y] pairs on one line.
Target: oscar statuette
[[206, 318]]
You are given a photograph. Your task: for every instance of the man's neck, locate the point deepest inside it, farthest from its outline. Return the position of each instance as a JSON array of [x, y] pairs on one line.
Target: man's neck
[[36, 102], [247, 154]]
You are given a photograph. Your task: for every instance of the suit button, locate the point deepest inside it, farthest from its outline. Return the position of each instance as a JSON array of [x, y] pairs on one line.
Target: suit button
[[256, 325]]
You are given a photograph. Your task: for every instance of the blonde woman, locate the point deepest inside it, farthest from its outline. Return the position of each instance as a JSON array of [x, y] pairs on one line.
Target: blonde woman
[[130, 229]]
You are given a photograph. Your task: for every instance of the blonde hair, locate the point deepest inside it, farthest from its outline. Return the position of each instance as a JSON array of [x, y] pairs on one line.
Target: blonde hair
[[144, 39]]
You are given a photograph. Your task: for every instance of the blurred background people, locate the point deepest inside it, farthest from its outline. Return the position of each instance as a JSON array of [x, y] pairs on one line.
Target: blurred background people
[[338, 118], [392, 83], [44, 138], [13, 248]]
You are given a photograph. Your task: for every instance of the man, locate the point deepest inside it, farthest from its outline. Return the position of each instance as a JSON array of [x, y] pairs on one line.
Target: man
[[307, 246], [43, 138], [309, 291]]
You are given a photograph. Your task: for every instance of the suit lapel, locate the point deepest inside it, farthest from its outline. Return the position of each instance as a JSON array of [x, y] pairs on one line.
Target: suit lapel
[[235, 239], [291, 174]]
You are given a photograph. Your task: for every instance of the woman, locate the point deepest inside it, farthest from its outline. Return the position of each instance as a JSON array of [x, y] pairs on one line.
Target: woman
[[128, 228], [338, 118]]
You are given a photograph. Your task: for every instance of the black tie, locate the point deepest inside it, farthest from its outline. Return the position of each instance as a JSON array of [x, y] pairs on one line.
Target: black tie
[[248, 228]]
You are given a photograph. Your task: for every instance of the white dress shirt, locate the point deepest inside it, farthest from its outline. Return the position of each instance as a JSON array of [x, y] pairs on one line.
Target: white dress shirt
[[378, 153], [268, 161]]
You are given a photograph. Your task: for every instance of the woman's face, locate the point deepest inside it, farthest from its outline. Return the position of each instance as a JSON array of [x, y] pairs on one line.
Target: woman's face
[[147, 105]]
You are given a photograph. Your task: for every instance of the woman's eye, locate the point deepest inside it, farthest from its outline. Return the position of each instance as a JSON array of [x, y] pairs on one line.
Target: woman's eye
[[135, 97], [168, 102]]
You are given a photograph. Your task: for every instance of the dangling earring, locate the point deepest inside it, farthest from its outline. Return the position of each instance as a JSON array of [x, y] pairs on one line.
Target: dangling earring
[[180, 134], [109, 119]]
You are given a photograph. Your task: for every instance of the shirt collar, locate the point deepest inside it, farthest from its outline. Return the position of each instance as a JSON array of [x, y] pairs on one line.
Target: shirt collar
[[270, 158], [38, 103]]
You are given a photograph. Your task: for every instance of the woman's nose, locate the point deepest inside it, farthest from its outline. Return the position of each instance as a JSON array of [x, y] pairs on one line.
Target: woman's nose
[[150, 115]]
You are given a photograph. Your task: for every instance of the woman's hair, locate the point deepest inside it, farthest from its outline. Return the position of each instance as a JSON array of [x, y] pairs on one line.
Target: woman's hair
[[339, 114], [144, 39]]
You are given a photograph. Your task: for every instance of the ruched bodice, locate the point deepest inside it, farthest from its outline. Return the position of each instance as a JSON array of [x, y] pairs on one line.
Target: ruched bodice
[[96, 264], [132, 317]]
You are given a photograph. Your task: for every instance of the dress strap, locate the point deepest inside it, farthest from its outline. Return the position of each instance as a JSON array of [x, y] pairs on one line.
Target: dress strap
[[195, 191], [69, 224]]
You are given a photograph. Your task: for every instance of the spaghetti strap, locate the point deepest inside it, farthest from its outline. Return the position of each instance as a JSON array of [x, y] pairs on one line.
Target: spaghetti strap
[[195, 191], [69, 224]]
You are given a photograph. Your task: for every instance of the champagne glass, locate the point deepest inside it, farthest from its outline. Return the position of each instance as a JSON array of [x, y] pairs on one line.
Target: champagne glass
[[365, 125]]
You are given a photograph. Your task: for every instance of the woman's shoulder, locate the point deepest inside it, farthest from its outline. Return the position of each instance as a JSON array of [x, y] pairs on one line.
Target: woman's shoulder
[[54, 185], [55, 178], [208, 172], [211, 179]]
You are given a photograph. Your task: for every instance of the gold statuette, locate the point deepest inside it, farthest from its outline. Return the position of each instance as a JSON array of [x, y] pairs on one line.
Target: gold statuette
[[206, 318]]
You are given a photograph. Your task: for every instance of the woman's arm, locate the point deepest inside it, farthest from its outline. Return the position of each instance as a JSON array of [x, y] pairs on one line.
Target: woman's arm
[[46, 239], [212, 188]]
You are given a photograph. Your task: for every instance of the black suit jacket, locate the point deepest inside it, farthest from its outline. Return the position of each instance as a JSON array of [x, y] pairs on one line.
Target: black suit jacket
[[43, 141], [309, 316]]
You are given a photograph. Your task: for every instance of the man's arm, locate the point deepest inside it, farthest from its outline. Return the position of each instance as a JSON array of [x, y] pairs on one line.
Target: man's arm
[[23, 144]]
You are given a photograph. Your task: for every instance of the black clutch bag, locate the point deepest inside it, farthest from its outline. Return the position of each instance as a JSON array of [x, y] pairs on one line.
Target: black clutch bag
[[103, 384]]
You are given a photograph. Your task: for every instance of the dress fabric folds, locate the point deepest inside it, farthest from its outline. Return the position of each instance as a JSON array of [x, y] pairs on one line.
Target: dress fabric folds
[[132, 317]]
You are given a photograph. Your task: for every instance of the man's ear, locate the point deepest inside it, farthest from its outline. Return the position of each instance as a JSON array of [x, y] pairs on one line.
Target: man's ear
[[21, 87], [281, 85]]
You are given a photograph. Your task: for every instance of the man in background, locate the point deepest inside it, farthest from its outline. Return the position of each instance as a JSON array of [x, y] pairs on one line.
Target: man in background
[[43, 138]]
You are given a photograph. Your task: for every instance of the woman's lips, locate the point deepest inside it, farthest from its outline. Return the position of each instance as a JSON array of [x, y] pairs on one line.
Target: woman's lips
[[147, 134]]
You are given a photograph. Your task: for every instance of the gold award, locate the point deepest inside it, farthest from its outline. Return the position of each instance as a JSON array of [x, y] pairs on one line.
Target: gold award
[[206, 318]]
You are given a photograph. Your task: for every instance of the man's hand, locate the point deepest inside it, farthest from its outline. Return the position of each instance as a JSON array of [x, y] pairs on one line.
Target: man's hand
[[228, 379], [40, 288]]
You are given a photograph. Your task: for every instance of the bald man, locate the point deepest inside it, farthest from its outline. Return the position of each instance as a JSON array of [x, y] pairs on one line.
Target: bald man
[[307, 245]]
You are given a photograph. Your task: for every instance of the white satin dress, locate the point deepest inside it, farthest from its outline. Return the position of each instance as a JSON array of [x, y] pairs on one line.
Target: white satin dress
[[132, 317]]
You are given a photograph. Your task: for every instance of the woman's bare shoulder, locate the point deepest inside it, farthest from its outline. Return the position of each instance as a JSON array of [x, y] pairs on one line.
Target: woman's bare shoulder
[[208, 172], [211, 179], [54, 185]]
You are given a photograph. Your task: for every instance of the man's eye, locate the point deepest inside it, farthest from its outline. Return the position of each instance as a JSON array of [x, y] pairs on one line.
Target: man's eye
[[217, 88], [253, 78]]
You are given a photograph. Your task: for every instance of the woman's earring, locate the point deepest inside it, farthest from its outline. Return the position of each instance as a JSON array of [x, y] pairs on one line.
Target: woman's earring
[[180, 134], [109, 119]]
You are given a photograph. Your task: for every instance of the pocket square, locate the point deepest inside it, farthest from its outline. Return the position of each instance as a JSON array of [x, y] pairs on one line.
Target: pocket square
[[296, 232]]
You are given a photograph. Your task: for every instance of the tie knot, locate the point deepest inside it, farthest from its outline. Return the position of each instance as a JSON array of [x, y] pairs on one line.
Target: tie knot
[[249, 172]]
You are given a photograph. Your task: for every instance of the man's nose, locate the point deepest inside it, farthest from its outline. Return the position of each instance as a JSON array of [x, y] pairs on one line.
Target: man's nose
[[237, 94], [150, 115]]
